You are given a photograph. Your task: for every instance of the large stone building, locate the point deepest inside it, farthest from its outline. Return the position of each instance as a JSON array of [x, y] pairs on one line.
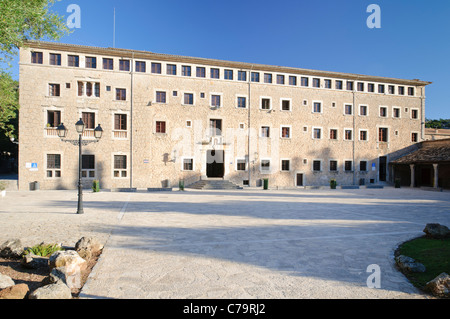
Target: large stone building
[[168, 118]]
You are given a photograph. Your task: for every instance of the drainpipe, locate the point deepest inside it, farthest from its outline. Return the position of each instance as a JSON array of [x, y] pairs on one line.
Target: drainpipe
[[131, 121], [354, 134], [422, 125], [249, 126]]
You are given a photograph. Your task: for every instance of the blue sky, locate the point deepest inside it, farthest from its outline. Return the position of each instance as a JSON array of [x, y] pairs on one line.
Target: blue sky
[[412, 43]]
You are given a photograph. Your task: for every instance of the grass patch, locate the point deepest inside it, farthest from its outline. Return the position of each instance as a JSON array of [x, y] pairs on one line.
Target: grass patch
[[434, 254]]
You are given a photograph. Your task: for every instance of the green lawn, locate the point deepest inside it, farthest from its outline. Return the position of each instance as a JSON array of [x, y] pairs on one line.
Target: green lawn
[[434, 254]]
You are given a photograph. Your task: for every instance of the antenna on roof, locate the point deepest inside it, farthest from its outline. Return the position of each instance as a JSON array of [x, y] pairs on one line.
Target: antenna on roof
[[114, 29]]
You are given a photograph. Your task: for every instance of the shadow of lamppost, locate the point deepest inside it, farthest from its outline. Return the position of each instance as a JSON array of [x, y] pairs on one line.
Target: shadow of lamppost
[[79, 126]]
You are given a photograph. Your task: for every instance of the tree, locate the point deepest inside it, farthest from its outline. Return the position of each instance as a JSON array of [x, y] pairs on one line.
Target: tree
[[439, 124], [22, 20], [9, 104]]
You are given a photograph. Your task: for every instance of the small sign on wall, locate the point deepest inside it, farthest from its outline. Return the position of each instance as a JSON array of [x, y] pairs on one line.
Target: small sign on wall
[[33, 167], [374, 168]]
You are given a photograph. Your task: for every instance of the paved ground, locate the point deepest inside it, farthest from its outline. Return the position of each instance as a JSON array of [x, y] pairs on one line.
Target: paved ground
[[234, 244]]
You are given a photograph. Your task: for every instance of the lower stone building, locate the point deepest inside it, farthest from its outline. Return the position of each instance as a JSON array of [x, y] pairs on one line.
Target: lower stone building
[[167, 118]]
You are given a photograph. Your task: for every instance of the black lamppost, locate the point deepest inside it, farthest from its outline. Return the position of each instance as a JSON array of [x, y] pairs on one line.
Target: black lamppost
[[79, 126]]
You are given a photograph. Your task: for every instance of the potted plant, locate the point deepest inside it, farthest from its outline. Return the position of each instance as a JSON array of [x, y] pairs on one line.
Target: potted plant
[[96, 186], [333, 184], [2, 189], [397, 183]]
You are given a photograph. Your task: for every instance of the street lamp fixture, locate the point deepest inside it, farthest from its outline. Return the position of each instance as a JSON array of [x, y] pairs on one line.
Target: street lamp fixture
[[79, 127]]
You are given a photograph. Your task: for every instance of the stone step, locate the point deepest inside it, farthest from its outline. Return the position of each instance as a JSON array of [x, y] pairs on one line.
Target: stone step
[[214, 184]]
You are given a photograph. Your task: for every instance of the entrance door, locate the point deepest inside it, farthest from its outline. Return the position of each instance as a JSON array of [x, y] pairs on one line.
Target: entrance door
[[299, 180], [383, 168], [215, 164]]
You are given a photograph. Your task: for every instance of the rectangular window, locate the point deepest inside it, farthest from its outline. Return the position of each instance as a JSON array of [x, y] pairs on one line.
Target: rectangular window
[[305, 81], [381, 88], [333, 166], [215, 73], [160, 127], [120, 122], [241, 102], [188, 98], [414, 137], [36, 57], [411, 91], [186, 70], [363, 135], [316, 83], [108, 64], [363, 110], [54, 90], [348, 109], [124, 65], [348, 135], [265, 165], [188, 164], [53, 165], [371, 87], [286, 105], [363, 166], [140, 66], [53, 118], [215, 100], [328, 84], [396, 112], [339, 85], [317, 133], [317, 166], [255, 77], [228, 75], [382, 134], [242, 76], [285, 132], [333, 134], [348, 166], [201, 72], [391, 89], [73, 60], [265, 104], [156, 68], [88, 166], [171, 69], [160, 97], [401, 90], [55, 59], [215, 127], [349, 85], [89, 120], [267, 78], [285, 165], [91, 62], [317, 107], [240, 165], [97, 89], [360, 87], [121, 94], [414, 114], [292, 80], [280, 79], [383, 111], [265, 131], [120, 166]]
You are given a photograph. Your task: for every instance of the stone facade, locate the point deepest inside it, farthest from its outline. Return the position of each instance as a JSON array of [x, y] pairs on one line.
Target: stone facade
[[161, 129]]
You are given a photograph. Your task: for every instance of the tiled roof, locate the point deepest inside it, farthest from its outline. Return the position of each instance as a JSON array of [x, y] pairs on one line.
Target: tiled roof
[[429, 152]]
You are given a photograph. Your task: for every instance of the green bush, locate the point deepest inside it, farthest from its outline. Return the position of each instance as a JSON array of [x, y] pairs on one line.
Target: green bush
[[333, 184], [2, 186], [96, 186], [43, 250]]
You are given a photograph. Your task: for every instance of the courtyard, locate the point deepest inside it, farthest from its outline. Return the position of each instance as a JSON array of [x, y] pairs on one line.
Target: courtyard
[[251, 243]]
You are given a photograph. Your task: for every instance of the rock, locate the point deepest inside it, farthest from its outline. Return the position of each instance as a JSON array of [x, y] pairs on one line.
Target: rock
[[409, 264], [14, 292], [31, 261], [72, 278], [436, 231], [68, 258], [53, 291], [439, 286], [6, 281], [88, 246], [11, 248]]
